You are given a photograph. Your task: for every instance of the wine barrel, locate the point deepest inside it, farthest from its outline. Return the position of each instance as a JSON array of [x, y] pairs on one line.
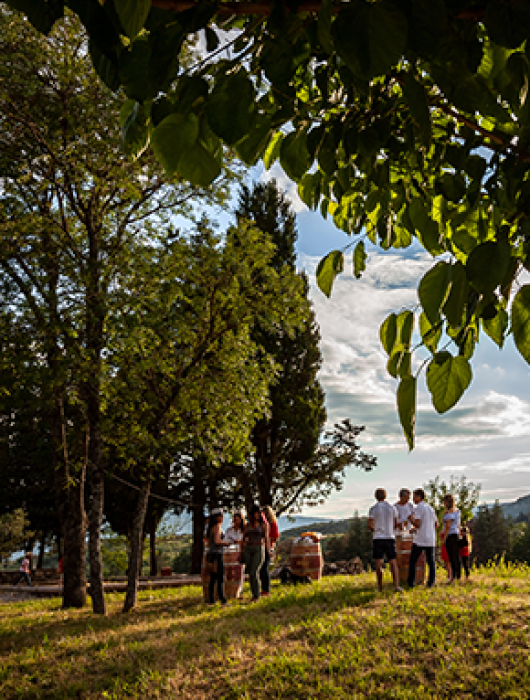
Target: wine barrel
[[306, 559], [234, 571], [403, 551], [166, 571]]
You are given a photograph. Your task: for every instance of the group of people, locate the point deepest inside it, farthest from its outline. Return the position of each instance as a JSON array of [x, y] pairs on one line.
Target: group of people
[[419, 519], [257, 537]]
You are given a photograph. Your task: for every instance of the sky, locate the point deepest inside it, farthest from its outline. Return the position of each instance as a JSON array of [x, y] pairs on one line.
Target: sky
[[485, 437]]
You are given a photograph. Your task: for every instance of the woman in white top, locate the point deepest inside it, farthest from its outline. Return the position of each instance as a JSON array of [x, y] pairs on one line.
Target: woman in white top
[[451, 533], [236, 531]]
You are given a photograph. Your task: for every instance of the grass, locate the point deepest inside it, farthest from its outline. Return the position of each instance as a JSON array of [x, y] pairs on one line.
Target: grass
[[337, 639]]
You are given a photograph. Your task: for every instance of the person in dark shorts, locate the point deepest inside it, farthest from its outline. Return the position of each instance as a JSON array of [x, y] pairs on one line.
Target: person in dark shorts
[[382, 521]]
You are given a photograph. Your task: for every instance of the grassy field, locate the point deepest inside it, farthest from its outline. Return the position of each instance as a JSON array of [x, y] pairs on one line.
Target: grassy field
[[337, 639]]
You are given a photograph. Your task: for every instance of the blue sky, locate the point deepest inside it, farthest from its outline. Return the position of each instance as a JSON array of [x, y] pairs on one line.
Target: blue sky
[[486, 437]]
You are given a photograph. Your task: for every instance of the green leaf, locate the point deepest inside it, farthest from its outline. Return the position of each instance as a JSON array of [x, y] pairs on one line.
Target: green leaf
[[328, 268], [134, 69], [399, 364], [309, 189], [294, 156], [252, 145], [199, 166], [417, 101], [370, 37], [272, 152], [433, 290], [451, 186], [230, 107], [132, 14], [454, 306], [497, 326], [430, 334], [406, 403], [521, 321], [427, 230], [325, 16], [41, 13], [388, 333], [173, 137], [135, 128], [359, 260], [405, 325], [104, 67], [487, 265], [447, 379]]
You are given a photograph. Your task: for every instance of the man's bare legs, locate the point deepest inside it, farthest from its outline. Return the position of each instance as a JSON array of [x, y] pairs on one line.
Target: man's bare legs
[[379, 573]]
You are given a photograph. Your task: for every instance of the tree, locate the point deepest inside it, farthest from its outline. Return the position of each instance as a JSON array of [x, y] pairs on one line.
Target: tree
[[491, 534], [14, 532], [466, 495], [288, 467], [71, 202], [521, 544], [401, 120]]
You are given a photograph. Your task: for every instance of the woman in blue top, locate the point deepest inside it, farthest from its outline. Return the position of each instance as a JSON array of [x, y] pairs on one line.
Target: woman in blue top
[[451, 534]]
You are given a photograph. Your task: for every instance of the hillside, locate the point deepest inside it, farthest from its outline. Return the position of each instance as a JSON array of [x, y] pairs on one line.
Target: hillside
[[513, 510], [335, 640], [330, 527]]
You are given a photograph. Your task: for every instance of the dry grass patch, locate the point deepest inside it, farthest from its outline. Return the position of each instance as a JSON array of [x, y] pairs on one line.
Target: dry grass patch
[[335, 640]]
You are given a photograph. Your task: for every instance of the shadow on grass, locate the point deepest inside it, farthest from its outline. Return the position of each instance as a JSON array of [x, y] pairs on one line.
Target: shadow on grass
[[154, 638]]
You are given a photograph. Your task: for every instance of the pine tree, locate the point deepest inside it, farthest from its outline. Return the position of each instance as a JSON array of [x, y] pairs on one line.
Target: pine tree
[[491, 534]]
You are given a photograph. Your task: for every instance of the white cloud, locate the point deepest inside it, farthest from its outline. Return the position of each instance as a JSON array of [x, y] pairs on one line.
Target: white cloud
[[287, 185]]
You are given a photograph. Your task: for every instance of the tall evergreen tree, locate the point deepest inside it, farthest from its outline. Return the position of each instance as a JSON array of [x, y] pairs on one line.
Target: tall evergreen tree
[[491, 534], [289, 467]]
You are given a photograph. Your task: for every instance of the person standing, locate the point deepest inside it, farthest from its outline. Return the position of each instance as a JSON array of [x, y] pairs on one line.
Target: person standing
[[236, 531], [424, 537], [464, 549], [255, 540], [404, 510], [445, 557], [216, 545], [382, 521], [451, 522], [25, 569], [274, 536]]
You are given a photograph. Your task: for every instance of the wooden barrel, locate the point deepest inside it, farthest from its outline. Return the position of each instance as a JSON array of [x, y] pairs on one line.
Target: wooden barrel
[[403, 551], [306, 559], [234, 571], [166, 571]]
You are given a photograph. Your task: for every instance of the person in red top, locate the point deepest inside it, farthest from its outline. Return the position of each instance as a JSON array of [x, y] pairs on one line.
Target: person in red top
[[274, 536], [464, 549]]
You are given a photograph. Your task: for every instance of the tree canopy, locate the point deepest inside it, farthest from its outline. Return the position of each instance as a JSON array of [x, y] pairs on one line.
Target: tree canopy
[[403, 120]]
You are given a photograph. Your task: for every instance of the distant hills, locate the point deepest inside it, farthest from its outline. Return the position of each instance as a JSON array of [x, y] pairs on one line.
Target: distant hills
[[513, 510]]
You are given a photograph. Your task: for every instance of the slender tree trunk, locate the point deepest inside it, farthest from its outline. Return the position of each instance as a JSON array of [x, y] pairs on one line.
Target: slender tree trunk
[[40, 560], [153, 567], [59, 541], [246, 489], [136, 541], [199, 501]]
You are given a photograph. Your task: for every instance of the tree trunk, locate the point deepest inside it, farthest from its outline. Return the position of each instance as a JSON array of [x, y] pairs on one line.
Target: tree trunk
[[137, 540], [153, 567], [59, 542], [246, 489], [199, 501], [40, 560]]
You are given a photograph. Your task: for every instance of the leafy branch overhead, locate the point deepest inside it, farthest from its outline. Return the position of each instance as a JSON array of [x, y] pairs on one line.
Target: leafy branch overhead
[[402, 121]]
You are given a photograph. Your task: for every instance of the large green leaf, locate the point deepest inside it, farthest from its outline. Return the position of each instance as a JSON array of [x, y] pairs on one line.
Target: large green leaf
[[417, 101], [328, 268], [399, 364], [359, 259], [425, 227], [309, 189], [388, 333], [433, 290], [134, 69], [405, 325], [104, 67], [174, 136], [135, 128], [447, 379], [294, 156], [430, 334], [199, 166], [370, 36], [521, 321], [132, 14], [251, 146], [488, 264], [231, 107], [497, 326], [454, 306], [406, 403], [272, 152]]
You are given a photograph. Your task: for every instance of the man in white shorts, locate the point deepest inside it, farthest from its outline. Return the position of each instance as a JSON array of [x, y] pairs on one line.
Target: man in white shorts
[[382, 521]]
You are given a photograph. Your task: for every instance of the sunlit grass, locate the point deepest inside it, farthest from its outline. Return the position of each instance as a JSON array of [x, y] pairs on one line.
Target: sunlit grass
[[338, 639]]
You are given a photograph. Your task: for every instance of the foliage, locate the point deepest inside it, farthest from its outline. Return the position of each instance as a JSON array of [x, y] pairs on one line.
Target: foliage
[[403, 121], [466, 495], [14, 532], [491, 534], [344, 640], [355, 542], [113, 552], [521, 545]]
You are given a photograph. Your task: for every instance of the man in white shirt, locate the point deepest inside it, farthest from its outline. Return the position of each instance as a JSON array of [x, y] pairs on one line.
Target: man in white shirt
[[424, 538], [404, 510], [382, 521]]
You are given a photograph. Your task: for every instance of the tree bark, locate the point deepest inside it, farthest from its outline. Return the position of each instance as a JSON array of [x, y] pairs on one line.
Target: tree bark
[[153, 567], [199, 501], [59, 542], [135, 554], [40, 560]]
